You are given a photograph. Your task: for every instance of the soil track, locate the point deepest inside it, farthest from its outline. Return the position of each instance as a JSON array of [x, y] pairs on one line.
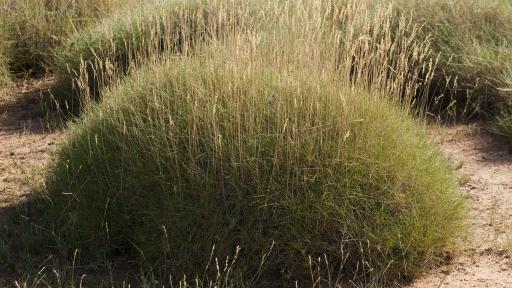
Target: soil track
[[483, 164]]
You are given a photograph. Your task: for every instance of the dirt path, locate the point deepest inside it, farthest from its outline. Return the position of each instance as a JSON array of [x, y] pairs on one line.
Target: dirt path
[[484, 166], [25, 141]]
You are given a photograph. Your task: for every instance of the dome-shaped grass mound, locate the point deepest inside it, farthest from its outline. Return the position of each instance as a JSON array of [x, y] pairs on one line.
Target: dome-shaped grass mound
[[192, 154]]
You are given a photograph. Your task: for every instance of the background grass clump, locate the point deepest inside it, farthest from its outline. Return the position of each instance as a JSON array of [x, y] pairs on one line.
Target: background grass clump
[[473, 40], [5, 77], [94, 56], [35, 27]]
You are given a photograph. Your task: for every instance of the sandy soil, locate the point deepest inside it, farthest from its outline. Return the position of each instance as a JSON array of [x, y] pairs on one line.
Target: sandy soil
[[483, 164]]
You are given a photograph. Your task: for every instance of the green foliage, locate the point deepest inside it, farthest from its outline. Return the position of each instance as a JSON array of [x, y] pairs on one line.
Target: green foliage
[[195, 153]]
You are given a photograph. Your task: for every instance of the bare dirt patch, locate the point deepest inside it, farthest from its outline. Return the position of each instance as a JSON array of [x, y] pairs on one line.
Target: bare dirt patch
[[26, 141], [484, 166]]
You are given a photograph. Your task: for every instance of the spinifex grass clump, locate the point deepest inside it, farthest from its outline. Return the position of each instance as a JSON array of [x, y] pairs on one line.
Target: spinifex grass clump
[[186, 156], [89, 59], [269, 138], [474, 42], [35, 27]]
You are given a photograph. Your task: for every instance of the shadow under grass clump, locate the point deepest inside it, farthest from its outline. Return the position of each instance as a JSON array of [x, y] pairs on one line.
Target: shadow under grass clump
[[502, 126], [93, 57], [193, 154]]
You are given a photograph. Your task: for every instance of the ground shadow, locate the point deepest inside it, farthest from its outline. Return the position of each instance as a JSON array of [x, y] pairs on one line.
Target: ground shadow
[[23, 108], [31, 255], [493, 148]]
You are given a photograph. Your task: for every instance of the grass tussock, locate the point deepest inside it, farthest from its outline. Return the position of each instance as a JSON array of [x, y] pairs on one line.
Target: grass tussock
[[92, 57], [473, 40], [5, 77], [35, 27], [297, 135], [249, 162]]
